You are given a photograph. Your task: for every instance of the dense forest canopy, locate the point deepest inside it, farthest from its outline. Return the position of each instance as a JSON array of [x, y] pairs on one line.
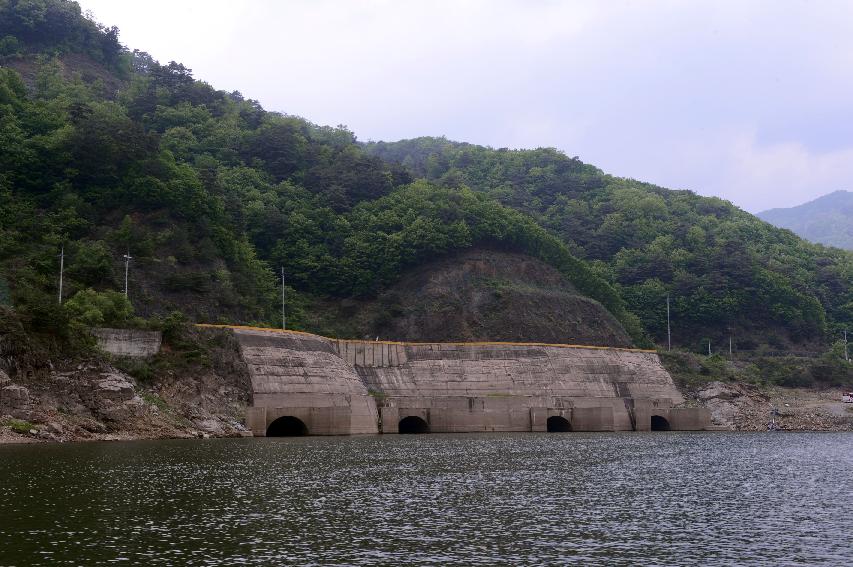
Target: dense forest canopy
[[107, 152], [50, 27]]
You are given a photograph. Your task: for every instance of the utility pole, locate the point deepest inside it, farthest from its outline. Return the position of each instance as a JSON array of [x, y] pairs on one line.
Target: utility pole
[[127, 259], [61, 269], [283, 318], [668, 329], [709, 347], [846, 354], [730, 346]]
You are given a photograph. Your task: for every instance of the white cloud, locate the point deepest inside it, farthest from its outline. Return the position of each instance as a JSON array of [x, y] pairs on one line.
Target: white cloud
[[780, 175], [734, 165]]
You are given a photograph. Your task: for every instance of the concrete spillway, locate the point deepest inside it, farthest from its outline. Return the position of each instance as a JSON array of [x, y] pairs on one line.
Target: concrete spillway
[[302, 376], [332, 387]]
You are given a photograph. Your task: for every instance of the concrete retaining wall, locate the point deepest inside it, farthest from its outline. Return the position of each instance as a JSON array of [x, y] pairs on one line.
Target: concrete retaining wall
[[494, 387], [302, 376], [128, 342], [327, 384]]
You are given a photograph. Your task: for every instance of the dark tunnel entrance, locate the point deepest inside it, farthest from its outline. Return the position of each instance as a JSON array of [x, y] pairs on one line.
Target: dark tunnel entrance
[[413, 424], [557, 424], [287, 426], [659, 423]]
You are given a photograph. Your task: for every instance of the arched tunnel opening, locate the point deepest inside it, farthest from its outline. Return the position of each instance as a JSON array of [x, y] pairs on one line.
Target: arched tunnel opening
[[413, 424], [287, 426], [558, 424], [659, 423]]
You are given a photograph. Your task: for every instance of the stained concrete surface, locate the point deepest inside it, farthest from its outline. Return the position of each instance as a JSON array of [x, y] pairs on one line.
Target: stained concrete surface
[[128, 342], [345, 387]]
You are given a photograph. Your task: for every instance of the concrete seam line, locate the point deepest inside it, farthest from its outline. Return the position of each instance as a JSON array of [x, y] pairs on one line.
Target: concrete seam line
[[368, 342]]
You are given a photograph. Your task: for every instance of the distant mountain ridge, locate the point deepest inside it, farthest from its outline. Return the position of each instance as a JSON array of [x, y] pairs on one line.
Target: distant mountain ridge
[[826, 220]]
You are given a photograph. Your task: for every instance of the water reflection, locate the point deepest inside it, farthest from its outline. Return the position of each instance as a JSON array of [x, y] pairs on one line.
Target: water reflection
[[666, 498]]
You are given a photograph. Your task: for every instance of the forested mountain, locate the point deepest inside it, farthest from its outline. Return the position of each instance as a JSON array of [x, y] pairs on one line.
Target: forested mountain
[[106, 152], [207, 192], [727, 272], [827, 220]]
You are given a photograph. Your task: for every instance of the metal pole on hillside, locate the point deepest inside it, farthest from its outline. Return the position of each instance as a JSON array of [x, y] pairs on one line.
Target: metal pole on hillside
[[283, 318], [127, 258], [61, 269], [668, 329]]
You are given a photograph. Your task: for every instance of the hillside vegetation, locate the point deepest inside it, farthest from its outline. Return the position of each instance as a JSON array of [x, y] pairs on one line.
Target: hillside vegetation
[[106, 152], [727, 272], [209, 194], [827, 220]]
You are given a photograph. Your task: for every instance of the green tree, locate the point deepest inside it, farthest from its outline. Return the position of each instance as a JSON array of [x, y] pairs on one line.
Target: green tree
[[99, 308]]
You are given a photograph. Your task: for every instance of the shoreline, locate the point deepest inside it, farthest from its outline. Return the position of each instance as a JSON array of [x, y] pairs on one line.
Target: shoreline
[[165, 413], [114, 398], [8, 438], [746, 407]]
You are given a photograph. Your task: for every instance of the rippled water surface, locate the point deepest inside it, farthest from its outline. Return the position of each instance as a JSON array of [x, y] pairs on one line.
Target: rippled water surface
[[484, 499]]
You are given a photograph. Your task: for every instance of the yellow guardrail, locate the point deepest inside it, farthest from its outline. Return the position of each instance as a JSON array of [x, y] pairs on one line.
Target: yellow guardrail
[[402, 343]]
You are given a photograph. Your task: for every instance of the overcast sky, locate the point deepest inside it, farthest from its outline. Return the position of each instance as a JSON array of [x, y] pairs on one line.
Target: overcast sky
[[750, 101]]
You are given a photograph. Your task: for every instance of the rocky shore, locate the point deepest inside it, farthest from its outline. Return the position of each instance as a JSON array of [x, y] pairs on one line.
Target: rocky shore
[[745, 407], [95, 399], [100, 402]]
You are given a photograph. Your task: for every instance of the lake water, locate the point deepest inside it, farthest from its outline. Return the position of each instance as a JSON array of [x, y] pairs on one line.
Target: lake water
[[477, 499]]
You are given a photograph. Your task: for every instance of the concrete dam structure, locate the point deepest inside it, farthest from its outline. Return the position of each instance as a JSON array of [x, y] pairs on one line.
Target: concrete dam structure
[[307, 384]]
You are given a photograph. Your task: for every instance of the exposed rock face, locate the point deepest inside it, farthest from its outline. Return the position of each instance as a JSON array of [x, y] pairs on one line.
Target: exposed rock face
[[115, 387], [744, 407], [96, 400], [14, 400], [112, 396], [485, 295], [730, 404]]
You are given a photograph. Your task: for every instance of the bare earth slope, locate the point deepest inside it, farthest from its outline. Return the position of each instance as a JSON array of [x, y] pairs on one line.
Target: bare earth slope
[[484, 295]]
